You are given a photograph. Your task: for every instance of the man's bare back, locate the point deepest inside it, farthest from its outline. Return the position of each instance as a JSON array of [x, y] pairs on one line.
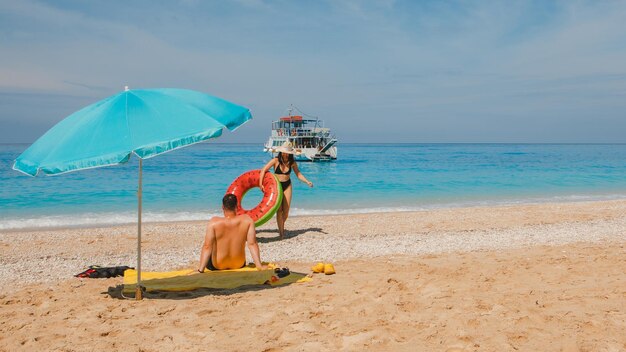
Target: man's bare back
[[225, 239], [229, 250]]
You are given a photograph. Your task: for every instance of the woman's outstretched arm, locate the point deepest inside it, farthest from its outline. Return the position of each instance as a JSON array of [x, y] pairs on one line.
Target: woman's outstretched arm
[[300, 175]]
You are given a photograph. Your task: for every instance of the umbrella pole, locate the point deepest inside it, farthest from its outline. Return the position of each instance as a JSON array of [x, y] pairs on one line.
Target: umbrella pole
[[138, 288]]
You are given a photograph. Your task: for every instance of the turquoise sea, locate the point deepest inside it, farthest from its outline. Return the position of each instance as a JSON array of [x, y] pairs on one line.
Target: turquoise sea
[[188, 184]]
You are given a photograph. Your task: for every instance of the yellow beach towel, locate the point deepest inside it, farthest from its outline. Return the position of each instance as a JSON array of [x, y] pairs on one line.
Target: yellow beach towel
[[186, 280]]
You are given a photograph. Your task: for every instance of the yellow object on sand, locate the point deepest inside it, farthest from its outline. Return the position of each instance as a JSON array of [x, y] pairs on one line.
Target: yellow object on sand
[[187, 280], [318, 268], [329, 269]]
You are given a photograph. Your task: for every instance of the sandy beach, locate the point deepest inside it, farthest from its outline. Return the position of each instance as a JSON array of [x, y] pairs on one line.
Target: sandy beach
[[544, 277], [456, 167]]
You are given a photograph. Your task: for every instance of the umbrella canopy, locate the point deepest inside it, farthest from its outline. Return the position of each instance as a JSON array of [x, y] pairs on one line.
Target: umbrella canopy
[[145, 122]]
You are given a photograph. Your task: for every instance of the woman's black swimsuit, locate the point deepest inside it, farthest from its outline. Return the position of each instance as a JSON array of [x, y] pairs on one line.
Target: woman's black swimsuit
[[285, 184], [278, 171]]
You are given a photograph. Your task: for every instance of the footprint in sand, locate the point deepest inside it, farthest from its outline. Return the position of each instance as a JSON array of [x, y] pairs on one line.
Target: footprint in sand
[[303, 327], [165, 311], [353, 342], [205, 312], [397, 284], [166, 338]]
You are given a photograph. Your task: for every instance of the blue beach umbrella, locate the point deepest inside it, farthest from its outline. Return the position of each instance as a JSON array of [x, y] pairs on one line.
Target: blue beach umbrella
[[144, 122]]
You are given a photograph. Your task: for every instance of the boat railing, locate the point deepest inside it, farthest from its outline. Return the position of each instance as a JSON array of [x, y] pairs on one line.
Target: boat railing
[[298, 132]]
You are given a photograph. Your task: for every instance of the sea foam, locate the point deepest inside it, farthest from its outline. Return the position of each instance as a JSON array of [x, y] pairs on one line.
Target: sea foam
[[122, 218]]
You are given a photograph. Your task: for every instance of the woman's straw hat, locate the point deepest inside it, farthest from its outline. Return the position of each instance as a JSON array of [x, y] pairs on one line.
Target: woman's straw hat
[[287, 148]]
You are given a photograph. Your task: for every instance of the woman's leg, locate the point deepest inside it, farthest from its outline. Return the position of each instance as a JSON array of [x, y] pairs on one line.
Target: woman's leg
[[284, 208], [279, 221]]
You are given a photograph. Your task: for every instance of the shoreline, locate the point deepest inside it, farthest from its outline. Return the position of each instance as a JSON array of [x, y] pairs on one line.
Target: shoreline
[[584, 203], [295, 213]]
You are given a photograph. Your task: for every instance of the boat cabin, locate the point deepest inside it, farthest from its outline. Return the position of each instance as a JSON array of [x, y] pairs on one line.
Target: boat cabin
[[308, 135], [304, 133]]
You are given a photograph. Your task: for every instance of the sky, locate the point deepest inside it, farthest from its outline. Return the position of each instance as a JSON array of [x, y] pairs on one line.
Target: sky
[[375, 71]]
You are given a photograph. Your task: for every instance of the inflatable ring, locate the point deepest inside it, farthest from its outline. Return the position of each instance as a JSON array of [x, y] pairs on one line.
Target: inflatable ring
[[272, 196]]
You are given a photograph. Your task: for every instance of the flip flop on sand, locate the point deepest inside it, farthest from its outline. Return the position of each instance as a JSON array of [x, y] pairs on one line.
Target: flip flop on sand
[[318, 268], [326, 268]]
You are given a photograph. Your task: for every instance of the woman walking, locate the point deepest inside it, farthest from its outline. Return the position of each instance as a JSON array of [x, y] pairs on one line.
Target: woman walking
[[283, 164]]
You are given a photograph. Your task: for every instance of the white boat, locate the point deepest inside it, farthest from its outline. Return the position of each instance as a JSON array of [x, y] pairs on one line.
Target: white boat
[[308, 135]]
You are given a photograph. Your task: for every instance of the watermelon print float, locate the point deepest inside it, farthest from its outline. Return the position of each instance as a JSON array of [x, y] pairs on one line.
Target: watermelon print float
[[272, 196]]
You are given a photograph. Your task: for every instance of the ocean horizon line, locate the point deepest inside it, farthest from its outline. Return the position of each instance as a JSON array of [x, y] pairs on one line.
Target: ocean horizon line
[[400, 143]]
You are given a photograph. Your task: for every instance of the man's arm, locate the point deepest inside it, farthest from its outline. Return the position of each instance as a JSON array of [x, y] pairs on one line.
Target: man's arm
[[253, 246], [207, 247]]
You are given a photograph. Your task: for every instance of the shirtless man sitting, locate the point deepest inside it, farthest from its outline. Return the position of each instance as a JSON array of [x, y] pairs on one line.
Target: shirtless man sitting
[[225, 239]]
